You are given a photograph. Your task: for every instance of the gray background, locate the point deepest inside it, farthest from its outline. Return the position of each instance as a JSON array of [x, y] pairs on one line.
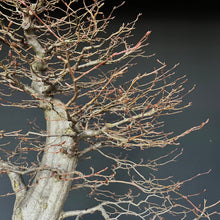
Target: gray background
[[186, 34]]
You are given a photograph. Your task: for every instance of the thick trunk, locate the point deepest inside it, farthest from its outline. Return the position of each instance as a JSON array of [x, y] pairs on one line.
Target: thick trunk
[[45, 199]]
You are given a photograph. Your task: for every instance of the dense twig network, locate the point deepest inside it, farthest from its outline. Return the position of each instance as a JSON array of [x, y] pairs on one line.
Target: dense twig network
[[63, 57]]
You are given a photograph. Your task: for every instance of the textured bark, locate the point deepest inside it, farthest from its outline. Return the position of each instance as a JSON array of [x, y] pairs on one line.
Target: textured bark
[[46, 198]]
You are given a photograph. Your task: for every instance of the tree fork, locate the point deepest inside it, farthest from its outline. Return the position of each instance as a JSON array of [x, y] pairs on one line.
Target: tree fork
[[47, 194]]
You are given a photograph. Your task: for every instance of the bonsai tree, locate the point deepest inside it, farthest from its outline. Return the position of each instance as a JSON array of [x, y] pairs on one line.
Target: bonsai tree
[[64, 60]]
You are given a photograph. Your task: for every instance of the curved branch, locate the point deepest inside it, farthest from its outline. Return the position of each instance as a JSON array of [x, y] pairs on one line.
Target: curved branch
[[80, 213], [17, 181]]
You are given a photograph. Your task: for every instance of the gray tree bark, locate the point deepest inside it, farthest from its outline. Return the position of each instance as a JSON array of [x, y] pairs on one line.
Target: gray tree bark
[[44, 201], [45, 198]]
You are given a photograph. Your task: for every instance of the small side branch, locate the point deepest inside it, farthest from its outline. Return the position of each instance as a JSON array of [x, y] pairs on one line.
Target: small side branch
[[80, 213], [16, 179], [17, 182], [18, 185], [91, 148]]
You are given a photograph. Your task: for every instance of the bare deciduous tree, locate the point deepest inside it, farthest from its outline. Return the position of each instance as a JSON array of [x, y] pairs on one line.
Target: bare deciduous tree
[[65, 62]]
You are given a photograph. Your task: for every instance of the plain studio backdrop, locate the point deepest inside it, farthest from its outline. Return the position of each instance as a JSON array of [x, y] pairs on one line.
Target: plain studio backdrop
[[185, 34]]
